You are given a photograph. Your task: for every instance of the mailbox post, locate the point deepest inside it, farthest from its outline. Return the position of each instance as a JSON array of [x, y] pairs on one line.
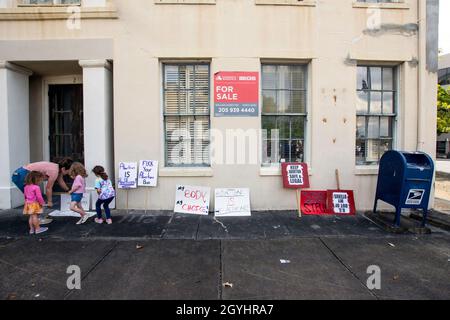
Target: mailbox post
[[404, 181]]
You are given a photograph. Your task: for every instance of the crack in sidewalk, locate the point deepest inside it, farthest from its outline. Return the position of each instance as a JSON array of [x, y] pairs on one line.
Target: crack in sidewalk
[[349, 269], [70, 292]]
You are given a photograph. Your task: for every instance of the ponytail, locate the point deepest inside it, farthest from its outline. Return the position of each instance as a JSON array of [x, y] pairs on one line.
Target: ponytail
[[100, 171]]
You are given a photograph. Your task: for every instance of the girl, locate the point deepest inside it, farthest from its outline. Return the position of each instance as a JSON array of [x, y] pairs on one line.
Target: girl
[[34, 201], [106, 194], [78, 173]]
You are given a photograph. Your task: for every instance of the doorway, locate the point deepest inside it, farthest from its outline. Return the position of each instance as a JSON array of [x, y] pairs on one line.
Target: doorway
[[66, 135]]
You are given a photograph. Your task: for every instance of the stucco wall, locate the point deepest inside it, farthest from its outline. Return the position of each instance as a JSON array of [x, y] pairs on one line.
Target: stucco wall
[[235, 35]]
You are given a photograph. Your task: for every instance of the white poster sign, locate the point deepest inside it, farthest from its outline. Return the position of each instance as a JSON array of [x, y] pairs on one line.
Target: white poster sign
[[148, 173], [66, 200], [192, 200], [341, 203], [232, 202], [127, 175]]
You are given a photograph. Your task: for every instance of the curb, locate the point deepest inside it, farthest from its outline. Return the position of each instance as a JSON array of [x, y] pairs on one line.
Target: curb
[[434, 221]]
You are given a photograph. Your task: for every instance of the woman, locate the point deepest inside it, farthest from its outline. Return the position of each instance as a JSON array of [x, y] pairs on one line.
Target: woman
[[52, 171]]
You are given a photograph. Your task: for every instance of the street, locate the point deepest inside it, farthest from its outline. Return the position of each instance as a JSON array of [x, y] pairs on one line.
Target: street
[[268, 256]]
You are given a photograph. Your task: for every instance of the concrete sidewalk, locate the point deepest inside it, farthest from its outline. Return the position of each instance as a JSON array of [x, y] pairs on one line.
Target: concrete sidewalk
[[272, 255]]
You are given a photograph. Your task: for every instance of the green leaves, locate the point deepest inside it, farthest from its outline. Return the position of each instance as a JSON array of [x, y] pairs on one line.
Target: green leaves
[[443, 111]]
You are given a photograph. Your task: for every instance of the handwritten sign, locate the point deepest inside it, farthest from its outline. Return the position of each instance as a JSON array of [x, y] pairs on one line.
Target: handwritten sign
[[314, 203], [148, 173], [127, 175], [66, 200], [341, 202], [232, 203], [295, 175], [192, 200]]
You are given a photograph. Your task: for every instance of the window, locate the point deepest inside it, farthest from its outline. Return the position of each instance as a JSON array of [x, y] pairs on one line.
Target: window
[[186, 114], [376, 113], [284, 109], [444, 77], [52, 2]]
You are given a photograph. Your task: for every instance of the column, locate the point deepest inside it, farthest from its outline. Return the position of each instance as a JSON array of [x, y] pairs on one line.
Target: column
[[14, 130], [98, 117]]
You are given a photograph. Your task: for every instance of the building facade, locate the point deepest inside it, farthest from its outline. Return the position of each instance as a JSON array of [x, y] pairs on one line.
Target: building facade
[[340, 82]]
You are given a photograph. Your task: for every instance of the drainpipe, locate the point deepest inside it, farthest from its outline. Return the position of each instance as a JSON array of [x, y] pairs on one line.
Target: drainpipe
[[422, 8]]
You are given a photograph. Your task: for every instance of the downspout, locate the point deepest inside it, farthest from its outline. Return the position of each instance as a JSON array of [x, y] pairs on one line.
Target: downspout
[[422, 14]]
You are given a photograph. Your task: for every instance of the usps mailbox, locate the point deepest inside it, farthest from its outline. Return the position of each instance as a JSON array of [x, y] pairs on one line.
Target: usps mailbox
[[404, 181]]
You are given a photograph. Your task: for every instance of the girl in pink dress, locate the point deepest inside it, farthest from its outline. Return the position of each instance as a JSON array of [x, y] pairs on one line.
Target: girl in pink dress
[[34, 201]]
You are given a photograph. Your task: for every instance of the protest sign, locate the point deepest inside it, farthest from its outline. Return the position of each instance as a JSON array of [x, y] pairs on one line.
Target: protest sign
[[295, 175], [341, 202], [232, 202], [192, 200], [314, 203], [148, 173], [127, 175]]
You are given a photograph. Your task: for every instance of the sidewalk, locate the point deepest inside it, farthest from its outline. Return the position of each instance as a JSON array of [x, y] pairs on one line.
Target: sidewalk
[[271, 255]]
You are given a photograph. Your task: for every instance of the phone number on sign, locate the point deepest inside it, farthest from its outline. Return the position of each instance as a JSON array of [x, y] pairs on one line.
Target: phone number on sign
[[236, 110]]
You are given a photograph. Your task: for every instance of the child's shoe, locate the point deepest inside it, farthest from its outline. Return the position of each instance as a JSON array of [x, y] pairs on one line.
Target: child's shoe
[[31, 231], [99, 221], [108, 221], [41, 230], [83, 219]]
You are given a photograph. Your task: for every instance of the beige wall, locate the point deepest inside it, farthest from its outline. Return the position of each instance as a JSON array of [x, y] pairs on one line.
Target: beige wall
[[235, 35]]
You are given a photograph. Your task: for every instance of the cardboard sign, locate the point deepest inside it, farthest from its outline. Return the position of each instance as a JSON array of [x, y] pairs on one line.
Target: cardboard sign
[[295, 175], [148, 173], [236, 94], [341, 202], [232, 202], [66, 200], [127, 175], [192, 200], [314, 202]]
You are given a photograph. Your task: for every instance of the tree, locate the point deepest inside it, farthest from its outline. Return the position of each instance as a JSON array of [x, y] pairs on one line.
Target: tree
[[443, 111]]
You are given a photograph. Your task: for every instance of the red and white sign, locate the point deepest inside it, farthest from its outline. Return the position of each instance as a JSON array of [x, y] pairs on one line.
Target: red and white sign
[[192, 200], [314, 203], [295, 175], [341, 202], [236, 94]]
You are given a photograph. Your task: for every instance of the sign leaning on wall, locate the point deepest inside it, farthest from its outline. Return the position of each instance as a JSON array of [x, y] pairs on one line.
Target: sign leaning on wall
[[148, 173], [236, 94], [232, 202], [127, 175], [192, 200], [66, 200]]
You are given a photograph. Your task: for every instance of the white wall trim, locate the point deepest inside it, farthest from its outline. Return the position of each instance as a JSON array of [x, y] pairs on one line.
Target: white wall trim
[[15, 68]]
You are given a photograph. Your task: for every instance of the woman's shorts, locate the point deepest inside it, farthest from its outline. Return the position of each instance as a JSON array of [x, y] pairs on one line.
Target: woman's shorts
[[76, 197]]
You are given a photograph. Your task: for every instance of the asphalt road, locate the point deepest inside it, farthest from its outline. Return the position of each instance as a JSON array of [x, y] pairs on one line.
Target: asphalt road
[[264, 257]]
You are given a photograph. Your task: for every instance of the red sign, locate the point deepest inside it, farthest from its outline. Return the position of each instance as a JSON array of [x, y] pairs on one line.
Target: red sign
[[236, 94], [341, 202], [314, 202], [295, 175]]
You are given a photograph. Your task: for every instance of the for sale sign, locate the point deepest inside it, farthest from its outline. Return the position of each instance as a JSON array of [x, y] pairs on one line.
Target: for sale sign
[[236, 94], [341, 202], [295, 175]]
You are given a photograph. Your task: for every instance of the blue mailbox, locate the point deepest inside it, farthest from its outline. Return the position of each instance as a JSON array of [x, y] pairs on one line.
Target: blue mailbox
[[404, 181]]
